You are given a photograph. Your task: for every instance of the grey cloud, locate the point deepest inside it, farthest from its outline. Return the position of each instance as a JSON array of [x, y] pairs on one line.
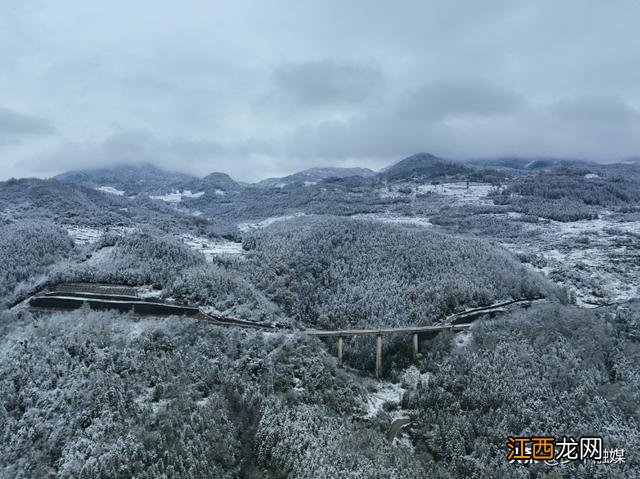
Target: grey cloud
[[325, 83], [442, 99], [15, 126], [570, 127], [602, 128], [198, 157], [268, 87], [598, 108]]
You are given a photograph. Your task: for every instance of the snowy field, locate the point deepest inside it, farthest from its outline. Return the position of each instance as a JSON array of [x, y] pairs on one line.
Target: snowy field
[[110, 190], [84, 235], [209, 247], [599, 260], [384, 393], [177, 196], [390, 393], [212, 248], [248, 226], [595, 226], [459, 192], [473, 193]]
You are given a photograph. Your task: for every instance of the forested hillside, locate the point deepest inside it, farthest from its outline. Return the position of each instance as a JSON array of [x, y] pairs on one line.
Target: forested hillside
[[222, 288], [129, 179], [33, 198], [27, 250], [425, 166], [73, 205], [146, 179], [101, 395], [557, 370], [319, 240], [570, 194], [141, 257], [331, 272], [96, 395], [89, 394]]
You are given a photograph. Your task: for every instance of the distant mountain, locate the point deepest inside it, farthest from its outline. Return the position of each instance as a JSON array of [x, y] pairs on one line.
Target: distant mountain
[[71, 204], [529, 164], [147, 179], [68, 203], [131, 179], [315, 175], [634, 161], [216, 181], [424, 166]]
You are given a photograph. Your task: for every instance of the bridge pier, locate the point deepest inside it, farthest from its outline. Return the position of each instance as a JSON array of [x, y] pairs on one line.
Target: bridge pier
[[378, 355], [414, 331]]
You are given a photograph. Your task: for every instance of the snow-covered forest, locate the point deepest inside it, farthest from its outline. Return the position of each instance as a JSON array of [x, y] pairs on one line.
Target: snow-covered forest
[[246, 239], [27, 251], [106, 394]]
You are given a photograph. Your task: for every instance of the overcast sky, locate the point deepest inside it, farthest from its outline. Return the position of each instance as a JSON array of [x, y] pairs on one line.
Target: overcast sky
[[265, 88]]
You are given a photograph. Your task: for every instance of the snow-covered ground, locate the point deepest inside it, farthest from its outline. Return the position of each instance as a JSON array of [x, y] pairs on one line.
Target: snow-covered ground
[[83, 235], [595, 226], [248, 226], [111, 190], [145, 399], [412, 378], [176, 196], [212, 310], [297, 385], [101, 257], [599, 260], [462, 339], [604, 283], [212, 248], [385, 393], [148, 292], [137, 328], [459, 192]]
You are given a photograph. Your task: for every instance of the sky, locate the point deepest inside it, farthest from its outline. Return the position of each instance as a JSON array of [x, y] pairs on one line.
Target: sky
[[265, 88]]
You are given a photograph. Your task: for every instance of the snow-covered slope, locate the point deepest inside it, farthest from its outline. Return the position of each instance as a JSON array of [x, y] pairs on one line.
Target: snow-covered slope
[[315, 175]]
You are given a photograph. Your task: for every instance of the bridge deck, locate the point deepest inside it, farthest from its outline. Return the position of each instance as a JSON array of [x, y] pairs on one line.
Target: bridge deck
[[374, 332], [124, 298], [108, 296]]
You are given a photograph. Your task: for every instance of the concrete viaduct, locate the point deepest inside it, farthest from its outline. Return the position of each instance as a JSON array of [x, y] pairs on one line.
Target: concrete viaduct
[[378, 333], [73, 296]]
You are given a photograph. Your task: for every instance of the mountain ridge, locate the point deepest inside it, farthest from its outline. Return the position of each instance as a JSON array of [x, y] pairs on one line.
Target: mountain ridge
[[426, 166], [316, 174], [133, 179]]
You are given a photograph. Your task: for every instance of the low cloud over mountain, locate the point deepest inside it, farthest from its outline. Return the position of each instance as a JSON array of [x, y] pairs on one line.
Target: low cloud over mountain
[[276, 89]]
